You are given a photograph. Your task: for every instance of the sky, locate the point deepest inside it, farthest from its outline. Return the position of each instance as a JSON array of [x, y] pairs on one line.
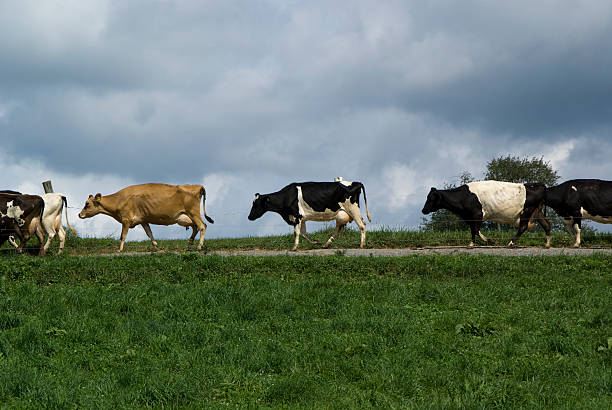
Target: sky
[[249, 96]]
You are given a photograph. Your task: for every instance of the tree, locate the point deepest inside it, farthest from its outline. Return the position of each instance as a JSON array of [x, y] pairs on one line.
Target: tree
[[521, 170]]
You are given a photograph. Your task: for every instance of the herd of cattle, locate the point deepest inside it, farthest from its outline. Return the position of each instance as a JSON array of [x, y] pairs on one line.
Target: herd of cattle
[[521, 205]]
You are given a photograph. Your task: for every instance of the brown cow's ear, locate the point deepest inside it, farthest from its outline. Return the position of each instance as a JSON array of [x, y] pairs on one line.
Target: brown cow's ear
[[90, 196], [98, 196]]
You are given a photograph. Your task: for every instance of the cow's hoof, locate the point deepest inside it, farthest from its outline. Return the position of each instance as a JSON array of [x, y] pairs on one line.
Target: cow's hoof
[[471, 245]]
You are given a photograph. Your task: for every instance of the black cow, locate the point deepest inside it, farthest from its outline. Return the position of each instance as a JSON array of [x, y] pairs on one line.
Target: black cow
[[580, 199], [502, 202], [17, 213], [315, 201]]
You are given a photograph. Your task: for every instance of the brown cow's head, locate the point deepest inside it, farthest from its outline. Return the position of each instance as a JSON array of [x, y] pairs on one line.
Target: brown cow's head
[[92, 207]]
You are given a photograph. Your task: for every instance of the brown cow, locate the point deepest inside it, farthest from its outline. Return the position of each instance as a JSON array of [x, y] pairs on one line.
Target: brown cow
[[158, 204]]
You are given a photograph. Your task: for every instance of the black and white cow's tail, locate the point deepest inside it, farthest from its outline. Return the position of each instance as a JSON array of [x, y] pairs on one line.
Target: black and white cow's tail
[[365, 200], [203, 193], [66, 211]]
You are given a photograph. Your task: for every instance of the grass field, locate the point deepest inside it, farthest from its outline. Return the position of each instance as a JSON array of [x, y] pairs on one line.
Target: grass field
[[192, 330]]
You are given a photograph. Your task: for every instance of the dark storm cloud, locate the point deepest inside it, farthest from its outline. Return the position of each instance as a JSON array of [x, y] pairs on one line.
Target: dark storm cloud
[[402, 95]]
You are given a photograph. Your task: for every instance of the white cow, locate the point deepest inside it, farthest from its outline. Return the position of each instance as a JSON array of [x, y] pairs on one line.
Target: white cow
[[51, 221]]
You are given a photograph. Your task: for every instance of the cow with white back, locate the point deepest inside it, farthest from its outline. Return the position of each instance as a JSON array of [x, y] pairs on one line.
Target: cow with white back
[[20, 216], [158, 204], [315, 201], [580, 199], [502, 202]]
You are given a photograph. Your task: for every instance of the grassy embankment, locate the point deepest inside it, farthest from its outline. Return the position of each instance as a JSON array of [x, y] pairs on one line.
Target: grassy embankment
[[204, 330], [348, 239]]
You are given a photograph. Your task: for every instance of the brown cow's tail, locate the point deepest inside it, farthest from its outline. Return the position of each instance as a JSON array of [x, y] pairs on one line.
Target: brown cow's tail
[[66, 210], [365, 200], [203, 193]]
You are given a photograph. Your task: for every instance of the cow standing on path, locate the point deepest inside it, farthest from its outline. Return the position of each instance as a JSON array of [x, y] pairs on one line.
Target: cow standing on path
[[315, 201], [501, 202], [158, 204], [580, 199]]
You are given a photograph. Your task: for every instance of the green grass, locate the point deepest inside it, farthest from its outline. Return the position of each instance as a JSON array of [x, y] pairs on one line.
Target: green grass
[[350, 238], [189, 330]]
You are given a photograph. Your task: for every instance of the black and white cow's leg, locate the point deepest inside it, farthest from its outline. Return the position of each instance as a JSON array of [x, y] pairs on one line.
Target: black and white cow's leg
[[577, 228], [473, 231], [342, 218], [40, 234], [545, 224], [305, 235], [523, 225], [61, 234], [572, 226], [147, 229], [353, 212], [296, 232]]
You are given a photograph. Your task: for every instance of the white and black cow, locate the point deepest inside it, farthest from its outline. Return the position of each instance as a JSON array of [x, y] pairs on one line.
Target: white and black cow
[[19, 212], [580, 199], [315, 201], [502, 202]]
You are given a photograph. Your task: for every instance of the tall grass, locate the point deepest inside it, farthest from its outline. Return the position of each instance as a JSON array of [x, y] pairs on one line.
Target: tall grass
[[208, 331]]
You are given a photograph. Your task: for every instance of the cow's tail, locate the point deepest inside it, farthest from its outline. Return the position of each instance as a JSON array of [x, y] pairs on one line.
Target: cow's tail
[[66, 210], [365, 200], [203, 193]]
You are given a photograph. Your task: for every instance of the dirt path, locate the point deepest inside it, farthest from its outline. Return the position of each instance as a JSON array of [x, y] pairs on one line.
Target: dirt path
[[443, 250]]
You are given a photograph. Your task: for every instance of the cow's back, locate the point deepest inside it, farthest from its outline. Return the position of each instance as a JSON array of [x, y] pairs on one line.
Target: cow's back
[[501, 202]]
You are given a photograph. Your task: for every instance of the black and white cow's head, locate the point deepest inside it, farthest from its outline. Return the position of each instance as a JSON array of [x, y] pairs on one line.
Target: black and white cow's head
[[433, 202], [260, 206]]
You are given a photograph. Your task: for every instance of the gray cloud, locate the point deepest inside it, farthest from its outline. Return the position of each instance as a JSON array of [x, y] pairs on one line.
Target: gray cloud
[[401, 95]]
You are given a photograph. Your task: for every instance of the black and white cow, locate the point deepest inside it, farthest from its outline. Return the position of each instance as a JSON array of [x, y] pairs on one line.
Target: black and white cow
[[315, 201], [580, 199], [502, 202], [18, 213]]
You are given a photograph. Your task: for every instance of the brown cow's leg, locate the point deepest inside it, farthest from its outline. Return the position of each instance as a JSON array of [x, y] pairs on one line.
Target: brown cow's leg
[[197, 220], [194, 232], [147, 229], [124, 231]]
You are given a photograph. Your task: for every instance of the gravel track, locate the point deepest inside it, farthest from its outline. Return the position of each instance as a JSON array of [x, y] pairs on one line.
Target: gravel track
[[442, 250]]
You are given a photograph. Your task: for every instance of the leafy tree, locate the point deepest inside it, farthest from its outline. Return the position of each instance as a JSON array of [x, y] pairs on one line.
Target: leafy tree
[[521, 170]]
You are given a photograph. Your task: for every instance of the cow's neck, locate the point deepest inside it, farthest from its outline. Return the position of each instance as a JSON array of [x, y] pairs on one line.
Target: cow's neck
[[111, 205], [451, 202], [285, 210]]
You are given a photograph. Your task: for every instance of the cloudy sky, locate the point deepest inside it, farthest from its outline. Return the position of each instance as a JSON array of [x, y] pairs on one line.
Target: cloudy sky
[[248, 96]]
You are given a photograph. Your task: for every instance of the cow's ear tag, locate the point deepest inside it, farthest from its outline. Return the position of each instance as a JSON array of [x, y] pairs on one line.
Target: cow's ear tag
[[267, 199], [98, 196]]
